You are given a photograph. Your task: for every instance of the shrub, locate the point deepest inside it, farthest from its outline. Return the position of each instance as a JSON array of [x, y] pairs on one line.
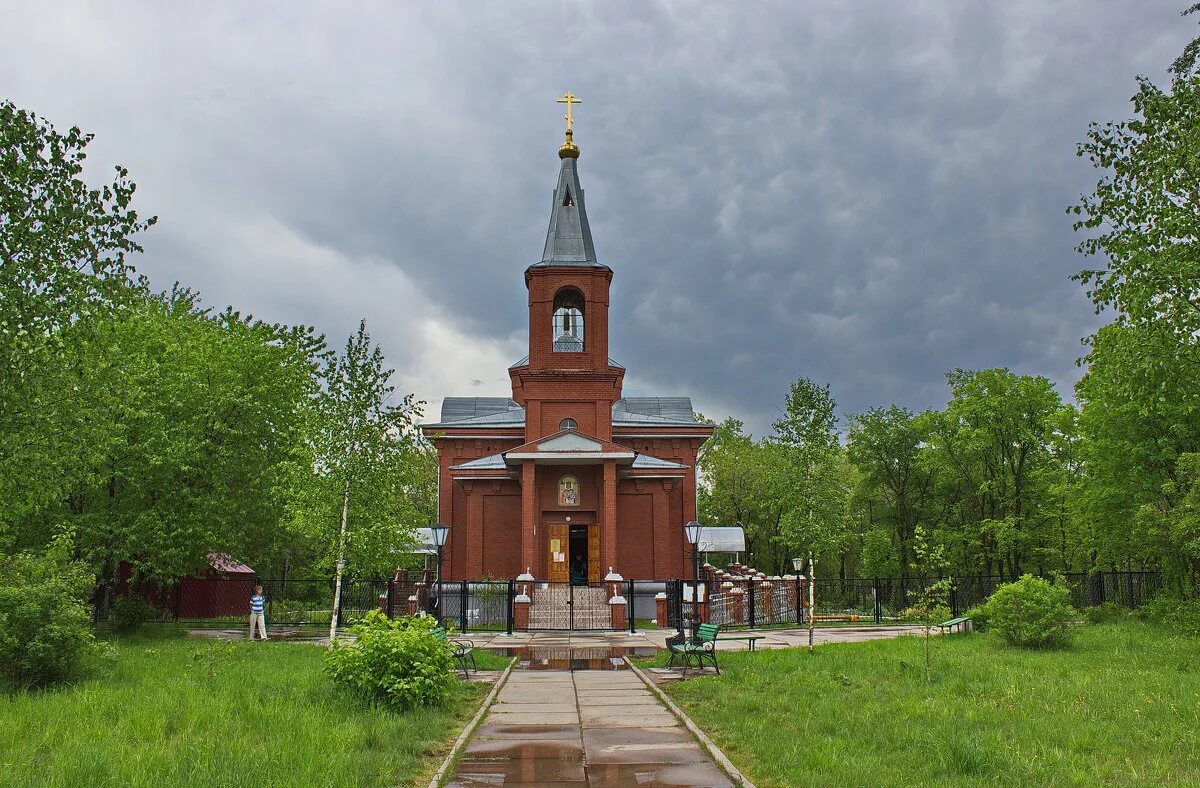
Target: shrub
[[1031, 613], [130, 612], [980, 621], [399, 661], [45, 622], [1104, 613], [1181, 615]]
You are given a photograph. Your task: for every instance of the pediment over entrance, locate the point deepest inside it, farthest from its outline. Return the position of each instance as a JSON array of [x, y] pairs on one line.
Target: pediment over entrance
[[570, 446], [571, 441]]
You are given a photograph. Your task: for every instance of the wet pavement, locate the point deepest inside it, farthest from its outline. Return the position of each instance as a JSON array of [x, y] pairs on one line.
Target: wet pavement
[[583, 728]]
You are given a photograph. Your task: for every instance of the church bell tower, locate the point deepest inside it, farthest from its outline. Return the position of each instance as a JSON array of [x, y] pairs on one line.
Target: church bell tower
[[568, 380]]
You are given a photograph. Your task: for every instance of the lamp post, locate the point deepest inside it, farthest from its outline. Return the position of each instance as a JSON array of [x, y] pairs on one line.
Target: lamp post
[[693, 535], [692, 530], [439, 531]]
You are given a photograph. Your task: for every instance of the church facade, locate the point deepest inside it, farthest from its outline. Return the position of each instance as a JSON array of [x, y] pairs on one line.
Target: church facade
[[568, 477]]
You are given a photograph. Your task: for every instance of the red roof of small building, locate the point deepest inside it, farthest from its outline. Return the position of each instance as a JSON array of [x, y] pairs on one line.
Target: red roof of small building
[[223, 563]]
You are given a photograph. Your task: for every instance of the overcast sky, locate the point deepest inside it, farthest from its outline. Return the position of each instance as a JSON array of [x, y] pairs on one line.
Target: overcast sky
[[867, 194]]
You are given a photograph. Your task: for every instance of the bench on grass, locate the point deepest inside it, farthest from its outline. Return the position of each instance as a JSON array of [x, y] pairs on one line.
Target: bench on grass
[[960, 624], [696, 649], [463, 650], [750, 639]]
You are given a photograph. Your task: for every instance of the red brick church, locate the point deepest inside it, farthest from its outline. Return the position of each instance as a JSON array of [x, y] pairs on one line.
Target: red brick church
[[568, 477]]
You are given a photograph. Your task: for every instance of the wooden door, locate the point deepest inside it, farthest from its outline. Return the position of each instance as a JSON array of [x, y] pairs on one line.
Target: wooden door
[[594, 553], [559, 551]]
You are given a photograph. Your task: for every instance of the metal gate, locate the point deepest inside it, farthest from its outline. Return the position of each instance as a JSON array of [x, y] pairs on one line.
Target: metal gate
[[565, 606]]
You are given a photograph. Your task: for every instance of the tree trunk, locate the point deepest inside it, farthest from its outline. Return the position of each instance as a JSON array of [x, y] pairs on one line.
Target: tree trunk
[[812, 609], [341, 565]]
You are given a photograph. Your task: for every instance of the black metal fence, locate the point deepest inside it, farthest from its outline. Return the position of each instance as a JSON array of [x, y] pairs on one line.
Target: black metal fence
[[505, 605], [885, 600]]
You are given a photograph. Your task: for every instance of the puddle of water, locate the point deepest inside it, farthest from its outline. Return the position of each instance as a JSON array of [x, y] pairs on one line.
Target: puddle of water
[[567, 658]]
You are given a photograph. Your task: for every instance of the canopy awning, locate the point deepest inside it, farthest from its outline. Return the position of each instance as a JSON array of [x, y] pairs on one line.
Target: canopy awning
[[722, 539], [425, 544]]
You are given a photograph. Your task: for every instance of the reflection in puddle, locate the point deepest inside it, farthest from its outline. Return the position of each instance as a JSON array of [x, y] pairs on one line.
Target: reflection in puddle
[[573, 658]]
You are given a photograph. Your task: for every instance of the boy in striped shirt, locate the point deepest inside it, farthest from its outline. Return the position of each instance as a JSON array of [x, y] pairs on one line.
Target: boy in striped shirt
[[258, 614]]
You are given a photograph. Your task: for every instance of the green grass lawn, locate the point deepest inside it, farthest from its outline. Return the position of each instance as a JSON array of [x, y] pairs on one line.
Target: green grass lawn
[[1122, 705], [175, 711]]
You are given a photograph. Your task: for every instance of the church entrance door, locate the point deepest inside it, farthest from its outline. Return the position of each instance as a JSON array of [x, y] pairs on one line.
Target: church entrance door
[[573, 553], [559, 556]]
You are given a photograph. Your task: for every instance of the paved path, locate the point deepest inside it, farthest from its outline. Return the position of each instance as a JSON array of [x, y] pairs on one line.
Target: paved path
[[583, 728]]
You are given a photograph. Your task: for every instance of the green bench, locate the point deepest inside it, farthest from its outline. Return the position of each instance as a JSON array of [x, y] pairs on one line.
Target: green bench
[[463, 650], [696, 649], [750, 639], [960, 624]]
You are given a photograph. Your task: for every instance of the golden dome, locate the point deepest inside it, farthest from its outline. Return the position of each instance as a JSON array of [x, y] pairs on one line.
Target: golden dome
[[568, 150]]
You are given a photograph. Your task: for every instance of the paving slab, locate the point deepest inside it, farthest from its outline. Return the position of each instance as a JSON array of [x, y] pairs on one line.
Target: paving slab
[[510, 731], [583, 728], [617, 699], [533, 708], [561, 718], [658, 775], [657, 720]]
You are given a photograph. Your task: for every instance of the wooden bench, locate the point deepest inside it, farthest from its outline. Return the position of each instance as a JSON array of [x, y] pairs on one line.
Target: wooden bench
[[960, 624], [750, 639], [463, 650], [702, 646]]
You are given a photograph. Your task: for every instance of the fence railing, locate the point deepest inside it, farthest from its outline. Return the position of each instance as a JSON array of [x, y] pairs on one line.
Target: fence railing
[[496, 605]]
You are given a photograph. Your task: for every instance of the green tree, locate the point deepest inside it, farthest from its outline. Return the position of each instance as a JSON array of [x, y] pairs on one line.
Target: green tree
[[990, 443], [815, 520], [64, 269], [364, 470], [1139, 416], [896, 483], [744, 481]]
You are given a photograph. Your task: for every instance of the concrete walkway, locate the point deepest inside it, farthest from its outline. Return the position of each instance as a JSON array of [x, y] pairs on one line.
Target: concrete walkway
[[583, 728]]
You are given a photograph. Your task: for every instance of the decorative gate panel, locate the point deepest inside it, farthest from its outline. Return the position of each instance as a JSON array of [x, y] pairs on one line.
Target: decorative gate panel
[[563, 606]]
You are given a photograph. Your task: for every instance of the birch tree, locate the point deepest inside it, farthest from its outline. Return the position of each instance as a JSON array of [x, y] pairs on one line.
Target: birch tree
[[816, 519], [364, 443]]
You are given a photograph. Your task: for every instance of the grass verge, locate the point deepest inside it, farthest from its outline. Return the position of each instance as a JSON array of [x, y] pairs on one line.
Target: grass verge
[[179, 711], [1122, 705]]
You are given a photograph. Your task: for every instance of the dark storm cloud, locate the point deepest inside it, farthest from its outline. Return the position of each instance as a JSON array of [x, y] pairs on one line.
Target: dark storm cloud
[[868, 195]]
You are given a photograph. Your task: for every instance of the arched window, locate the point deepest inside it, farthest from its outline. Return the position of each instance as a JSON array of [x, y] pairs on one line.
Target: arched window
[[568, 321], [567, 424], [568, 491]]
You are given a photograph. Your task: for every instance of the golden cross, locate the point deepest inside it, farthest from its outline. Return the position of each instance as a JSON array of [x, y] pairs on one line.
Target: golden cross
[[569, 99]]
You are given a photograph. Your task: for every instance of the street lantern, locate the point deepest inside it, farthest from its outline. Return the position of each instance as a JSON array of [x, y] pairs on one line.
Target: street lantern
[[798, 565], [693, 536], [440, 531]]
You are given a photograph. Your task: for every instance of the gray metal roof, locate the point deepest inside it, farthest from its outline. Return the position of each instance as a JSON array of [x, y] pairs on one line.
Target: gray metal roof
[[525, 360], [492, 462], [653, 410], [481, 411], [646, 462], [569, 238]]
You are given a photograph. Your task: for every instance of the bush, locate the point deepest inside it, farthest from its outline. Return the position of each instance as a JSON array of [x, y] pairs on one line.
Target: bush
[[45, 622], [399, 661], [980, 621], [1104, 613], [130, 612], [1031, 613], [1180, 615]]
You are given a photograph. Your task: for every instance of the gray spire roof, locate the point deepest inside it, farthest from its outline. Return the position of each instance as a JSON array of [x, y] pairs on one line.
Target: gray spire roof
[[569, 239]]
